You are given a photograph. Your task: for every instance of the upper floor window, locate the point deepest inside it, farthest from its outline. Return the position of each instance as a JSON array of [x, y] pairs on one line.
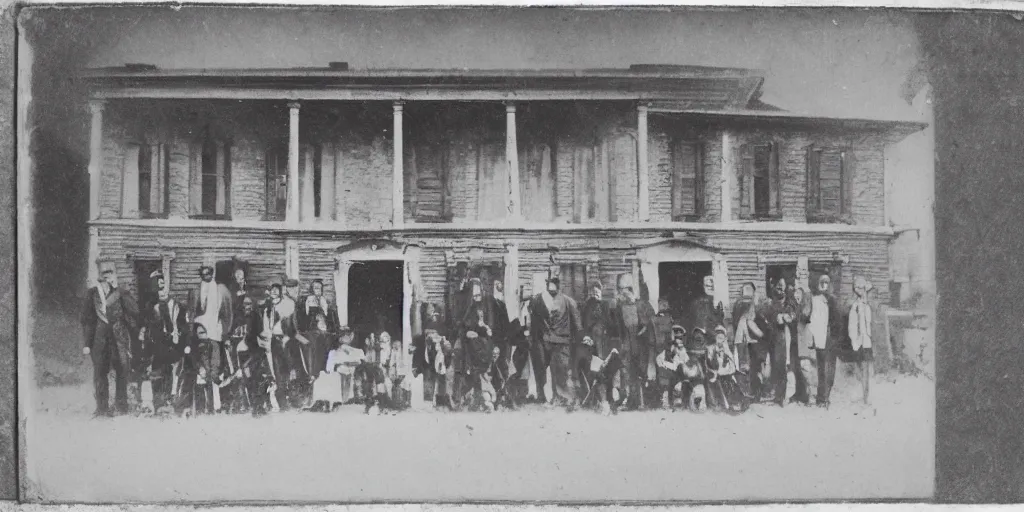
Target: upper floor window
[[828, 184], [760, 188], [687, 180], [145, 191], [277, 183], [210, 187]]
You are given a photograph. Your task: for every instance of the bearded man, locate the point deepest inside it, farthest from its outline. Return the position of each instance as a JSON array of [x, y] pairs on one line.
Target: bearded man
[[634, 325]]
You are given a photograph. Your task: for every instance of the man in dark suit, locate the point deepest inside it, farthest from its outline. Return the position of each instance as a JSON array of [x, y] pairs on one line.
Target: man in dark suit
[[109, 320], [167, 330]]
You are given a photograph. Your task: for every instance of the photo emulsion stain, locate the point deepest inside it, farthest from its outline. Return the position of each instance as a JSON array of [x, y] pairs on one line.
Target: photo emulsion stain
[[489, 254]]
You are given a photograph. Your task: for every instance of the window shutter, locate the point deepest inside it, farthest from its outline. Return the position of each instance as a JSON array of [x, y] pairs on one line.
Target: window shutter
[[813, 180], [775, 182], [746, 181], [157, 183], [327, 182], [848, 166], [698, 179], [130, 183], [222, 198], [195, 195], [306, 200]]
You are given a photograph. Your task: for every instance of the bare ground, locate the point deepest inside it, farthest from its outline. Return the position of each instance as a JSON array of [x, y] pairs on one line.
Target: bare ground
[[850, 451]]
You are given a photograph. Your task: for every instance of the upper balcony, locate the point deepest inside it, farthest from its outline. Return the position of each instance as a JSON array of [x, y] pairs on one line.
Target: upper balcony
[[409, 149]]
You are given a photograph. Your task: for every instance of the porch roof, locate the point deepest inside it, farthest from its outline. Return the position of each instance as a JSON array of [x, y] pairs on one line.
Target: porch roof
[[894, 130], [694, 86]]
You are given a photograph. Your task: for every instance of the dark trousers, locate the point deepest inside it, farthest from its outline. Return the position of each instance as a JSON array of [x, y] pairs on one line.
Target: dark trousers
[[826, 373], [107, 355], [282, 370], [162, 380], [779, 375], [801, 394], [256, 379], [559, 357], [759, 353], [539, 357]]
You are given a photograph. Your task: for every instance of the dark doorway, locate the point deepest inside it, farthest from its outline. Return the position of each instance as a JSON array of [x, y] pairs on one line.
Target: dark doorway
[[775, 272], [224, 271], [681, 283], [146, 287], [375, 297]]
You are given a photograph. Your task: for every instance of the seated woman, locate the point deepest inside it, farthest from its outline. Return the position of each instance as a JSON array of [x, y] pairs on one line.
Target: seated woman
[[335, 384]]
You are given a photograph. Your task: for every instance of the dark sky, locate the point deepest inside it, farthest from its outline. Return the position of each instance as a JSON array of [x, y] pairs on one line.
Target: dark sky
[[827, 62]]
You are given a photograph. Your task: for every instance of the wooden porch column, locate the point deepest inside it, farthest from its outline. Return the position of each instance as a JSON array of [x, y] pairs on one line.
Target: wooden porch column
[[292, 215], [512, 158], [341, 289], [512, 298], [643, 184], [398, 179], [728, 175], [165, 266], [291, 259], [94, 254], [95, 159]]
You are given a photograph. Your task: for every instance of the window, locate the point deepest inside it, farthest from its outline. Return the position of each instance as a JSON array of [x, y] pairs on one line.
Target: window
[[210, 190], [760, 196], [537, 183], [687, 180], [316, 182], [277, 183], [146, 174], [828, 187]]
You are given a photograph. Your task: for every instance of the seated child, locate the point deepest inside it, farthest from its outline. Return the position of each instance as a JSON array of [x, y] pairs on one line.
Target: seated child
[[721, 365], [672, 367], [499, 381]]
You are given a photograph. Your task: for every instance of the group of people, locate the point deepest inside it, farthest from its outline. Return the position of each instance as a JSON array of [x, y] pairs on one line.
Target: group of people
[[226, 350]]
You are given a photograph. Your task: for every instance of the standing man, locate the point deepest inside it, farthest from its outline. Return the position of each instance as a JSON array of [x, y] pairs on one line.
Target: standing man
[[774, 317], [796, 299], [595, 319], [556, 327], [109, 319], [859, 329], [168, 331], [212, 312], [298, 350], [825, 329], [278, 335], [317, 320], [634, 321]]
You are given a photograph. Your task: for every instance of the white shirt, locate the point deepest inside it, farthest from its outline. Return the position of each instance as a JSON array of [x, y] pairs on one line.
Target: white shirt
[[860, 325], [818, 327]]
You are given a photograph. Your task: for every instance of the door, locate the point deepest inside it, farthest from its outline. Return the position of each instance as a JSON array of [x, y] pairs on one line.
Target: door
[[680, 283], [145, 287]]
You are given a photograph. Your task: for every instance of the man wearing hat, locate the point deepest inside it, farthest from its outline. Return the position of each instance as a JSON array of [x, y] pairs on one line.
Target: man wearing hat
[[316, 318], [556, 327], [167, 331], [109, 318], [212, 312]]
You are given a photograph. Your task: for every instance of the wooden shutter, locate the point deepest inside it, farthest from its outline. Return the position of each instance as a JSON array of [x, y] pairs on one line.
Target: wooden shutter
[[573, 277], [159, 169], [584, 183], [813, 161], [130, 183], [493, 182], [277, 184], [848, 166], [699, 180], [830, 182], [223, 179], [537, 182], [327, 197], [774, 182], [195, 195], [746, 181], [307, 199]]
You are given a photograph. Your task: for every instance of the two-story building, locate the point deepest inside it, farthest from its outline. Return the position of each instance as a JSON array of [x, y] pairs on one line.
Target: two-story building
[[392, 185]]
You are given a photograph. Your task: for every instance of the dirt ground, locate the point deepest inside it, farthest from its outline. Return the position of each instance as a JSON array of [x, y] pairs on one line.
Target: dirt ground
[[797, 453]]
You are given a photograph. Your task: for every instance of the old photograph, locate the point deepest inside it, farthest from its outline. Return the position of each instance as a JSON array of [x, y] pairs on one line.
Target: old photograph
[[475, 254]]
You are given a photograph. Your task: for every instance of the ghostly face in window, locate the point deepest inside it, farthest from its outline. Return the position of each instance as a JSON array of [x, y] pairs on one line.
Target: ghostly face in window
[[709, 285]]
